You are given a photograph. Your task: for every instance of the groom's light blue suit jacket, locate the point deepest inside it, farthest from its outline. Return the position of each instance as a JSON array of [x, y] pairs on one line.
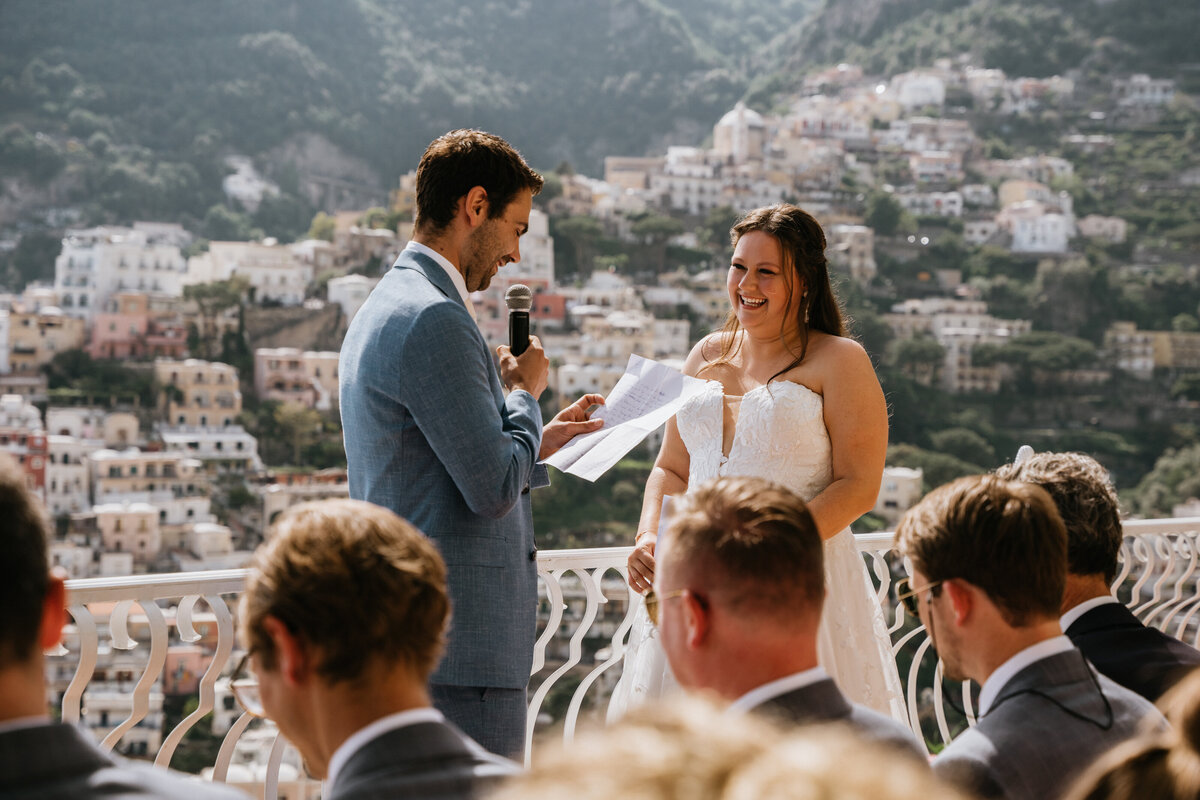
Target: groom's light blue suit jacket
[[430, 435]]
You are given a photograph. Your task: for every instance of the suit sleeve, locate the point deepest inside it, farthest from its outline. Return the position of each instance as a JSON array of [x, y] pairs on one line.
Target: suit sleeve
[[489, 450]]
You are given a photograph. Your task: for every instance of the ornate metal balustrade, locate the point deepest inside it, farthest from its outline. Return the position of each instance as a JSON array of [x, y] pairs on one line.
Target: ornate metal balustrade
[[586, 613]]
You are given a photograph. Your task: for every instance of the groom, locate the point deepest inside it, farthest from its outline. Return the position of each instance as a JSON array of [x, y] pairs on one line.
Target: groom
[[430, 434]]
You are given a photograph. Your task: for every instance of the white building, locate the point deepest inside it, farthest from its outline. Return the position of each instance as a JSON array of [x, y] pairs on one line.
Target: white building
[[978, 231], [932, 204], [76, 560], [97, 262], [68, 478], [5, 366], [899, 491], [1142, 90], [853, 247], [225, 449], [740, 136], [1041, 233], [350, 292], [1129, 349], [17, 412], [274, 271], [689, 181], [917, 90], [110, 428]]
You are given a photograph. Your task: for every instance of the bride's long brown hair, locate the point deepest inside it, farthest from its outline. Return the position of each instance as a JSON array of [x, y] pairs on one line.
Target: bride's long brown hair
[[802, 242]]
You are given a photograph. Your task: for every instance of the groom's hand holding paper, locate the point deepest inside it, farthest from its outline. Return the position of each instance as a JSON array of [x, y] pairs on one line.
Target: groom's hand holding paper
[[646, 396]]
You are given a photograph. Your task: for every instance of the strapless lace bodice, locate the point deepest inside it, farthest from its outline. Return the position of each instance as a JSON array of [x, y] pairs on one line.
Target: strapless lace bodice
[[780, 435]]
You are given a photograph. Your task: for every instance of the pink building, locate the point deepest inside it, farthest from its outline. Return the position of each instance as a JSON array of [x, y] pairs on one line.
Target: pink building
[[134, 326]]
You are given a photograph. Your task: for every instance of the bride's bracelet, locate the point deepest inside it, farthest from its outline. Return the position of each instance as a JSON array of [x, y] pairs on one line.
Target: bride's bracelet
[[638, 539]]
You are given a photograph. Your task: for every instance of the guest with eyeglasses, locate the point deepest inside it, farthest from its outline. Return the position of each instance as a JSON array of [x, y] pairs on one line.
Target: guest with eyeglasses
[[989, 563], [738, 595], [344, 618]]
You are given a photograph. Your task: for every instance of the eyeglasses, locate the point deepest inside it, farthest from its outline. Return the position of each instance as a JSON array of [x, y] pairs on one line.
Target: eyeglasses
[[908, 596], [653, 600], [245, 688]]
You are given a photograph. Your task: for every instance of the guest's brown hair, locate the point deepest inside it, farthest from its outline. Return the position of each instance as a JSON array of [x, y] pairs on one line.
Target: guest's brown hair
[[353, 580], [1087, 503], [458, 161], [755, 537], [24, 568], [1005, 537]]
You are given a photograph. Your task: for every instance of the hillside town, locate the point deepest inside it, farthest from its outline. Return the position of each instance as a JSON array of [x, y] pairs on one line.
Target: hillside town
[[218, 407]]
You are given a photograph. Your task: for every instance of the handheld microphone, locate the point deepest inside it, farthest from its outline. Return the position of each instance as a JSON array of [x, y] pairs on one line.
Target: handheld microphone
[[519, 300]]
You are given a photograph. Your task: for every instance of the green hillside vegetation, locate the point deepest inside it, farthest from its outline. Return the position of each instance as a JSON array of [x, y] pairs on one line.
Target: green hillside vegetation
[[1034, 38], [133, 106]]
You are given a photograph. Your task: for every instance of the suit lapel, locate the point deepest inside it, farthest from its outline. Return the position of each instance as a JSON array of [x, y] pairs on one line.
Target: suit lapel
[[1067, 681]]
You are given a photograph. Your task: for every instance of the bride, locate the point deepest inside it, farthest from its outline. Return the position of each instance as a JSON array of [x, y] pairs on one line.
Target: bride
[[789, 398]]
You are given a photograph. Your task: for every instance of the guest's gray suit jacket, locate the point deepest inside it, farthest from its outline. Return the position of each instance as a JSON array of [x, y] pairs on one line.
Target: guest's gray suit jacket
[[59, 762], [430, 435], [1048, 724], [426, 761], [823, 701]]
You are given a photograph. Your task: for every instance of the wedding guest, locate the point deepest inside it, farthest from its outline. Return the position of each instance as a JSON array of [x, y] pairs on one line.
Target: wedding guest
[[344, 616], [41, 758], [1164, 766], [740, 588], [1134, 655], [989, 562], [690, 748]]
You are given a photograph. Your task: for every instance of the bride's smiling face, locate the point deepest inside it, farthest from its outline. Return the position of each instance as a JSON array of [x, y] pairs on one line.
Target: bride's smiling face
[[761, 292]]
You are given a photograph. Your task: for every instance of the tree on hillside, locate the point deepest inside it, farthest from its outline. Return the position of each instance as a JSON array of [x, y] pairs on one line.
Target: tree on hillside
[[918, 357], [582, 232], [323, 227], [655, 230], [212, 299], [299, 426], [1174, 479], [883, 213]]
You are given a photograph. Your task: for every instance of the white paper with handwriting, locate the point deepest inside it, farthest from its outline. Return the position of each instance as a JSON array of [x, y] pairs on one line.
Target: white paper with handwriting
[[646, 396]]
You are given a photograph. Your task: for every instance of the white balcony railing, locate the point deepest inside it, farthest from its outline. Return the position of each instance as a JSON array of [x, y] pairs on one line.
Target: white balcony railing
[[585, 616]]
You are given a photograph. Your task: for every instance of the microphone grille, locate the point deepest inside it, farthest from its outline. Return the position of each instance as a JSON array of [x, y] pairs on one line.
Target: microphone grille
[[519, 297]]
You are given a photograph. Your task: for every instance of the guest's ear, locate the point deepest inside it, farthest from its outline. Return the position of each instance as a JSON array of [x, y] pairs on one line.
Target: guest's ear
[[961, 597], [54, 611], [292, 653], [696, 619]]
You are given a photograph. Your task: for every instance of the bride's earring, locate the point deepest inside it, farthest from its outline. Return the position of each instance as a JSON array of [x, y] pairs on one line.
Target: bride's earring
[[804, 297]]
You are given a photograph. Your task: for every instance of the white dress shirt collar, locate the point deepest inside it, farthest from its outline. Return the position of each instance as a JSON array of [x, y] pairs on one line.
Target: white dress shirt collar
[[789, 683], [362, 736], [1006, 671], [1068, 619], [455, 276]]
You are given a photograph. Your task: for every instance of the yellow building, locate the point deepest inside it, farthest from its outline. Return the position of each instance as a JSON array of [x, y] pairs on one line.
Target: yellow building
[[205, 393], [34, 338]]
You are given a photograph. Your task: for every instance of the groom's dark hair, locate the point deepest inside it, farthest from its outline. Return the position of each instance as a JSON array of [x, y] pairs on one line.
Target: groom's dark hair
[[754, 537], [458, 161]]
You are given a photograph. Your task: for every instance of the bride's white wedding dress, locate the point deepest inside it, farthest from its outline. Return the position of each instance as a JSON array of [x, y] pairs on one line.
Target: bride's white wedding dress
[[779, 435]]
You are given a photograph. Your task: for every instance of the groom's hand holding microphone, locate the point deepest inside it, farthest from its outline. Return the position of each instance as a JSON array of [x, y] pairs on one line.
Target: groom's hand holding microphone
[[523, 365]]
